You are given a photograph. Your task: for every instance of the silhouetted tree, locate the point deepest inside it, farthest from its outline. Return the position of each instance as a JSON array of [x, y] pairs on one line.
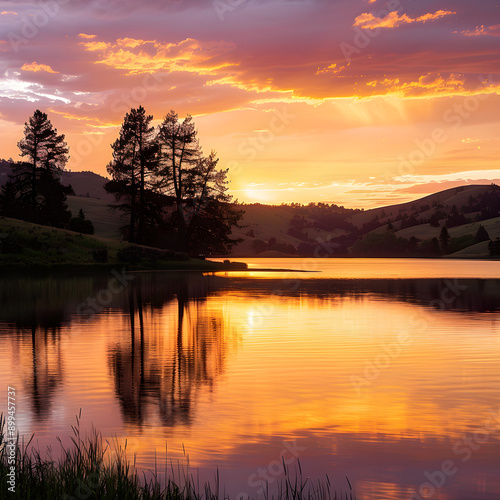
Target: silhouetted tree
[[203, 214], [133, 164], [444, 239], [481, 235], [9, 202], [47, 154], [430, 248], [494, 247], [81, 224]]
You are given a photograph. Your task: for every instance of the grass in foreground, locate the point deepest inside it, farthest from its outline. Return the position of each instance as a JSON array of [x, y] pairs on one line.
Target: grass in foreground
[[88, 470]]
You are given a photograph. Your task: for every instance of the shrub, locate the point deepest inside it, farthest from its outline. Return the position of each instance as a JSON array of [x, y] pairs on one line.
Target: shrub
[[100, 255]]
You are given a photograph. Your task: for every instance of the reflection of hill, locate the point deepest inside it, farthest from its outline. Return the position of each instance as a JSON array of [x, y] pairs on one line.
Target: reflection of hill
[[175, 346], [45, 301], [479, 295]]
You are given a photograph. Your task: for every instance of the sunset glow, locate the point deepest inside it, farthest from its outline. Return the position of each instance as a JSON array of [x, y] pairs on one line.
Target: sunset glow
[[361, 103]]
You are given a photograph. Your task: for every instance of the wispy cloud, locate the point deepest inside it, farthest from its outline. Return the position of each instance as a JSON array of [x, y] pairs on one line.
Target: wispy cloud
[[35, 67], [482, 30], [394, 19]]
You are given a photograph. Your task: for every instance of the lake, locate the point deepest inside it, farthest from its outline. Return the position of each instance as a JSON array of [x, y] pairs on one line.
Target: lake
[[384, 371]]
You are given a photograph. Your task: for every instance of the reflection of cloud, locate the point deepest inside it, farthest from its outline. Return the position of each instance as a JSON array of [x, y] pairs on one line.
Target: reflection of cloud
[[393, 19]]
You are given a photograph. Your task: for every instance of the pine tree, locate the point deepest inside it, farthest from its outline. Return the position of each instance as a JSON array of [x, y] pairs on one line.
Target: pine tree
[[35, 192], [47, 154], [9, 202], [481, 235], [444, 238], [203, 214], [179, 152], [132, 167]]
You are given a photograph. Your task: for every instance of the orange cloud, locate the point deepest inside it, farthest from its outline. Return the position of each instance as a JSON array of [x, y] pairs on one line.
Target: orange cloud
[[95, 46], [84, 35], [331, 70], [393, 19], [7, 12], [98, 123], [483, 30], [132, 42], [188, 55], [430, 85], [35, 67]]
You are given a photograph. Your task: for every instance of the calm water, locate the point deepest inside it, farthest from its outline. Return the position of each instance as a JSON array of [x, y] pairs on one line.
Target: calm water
[[384, 371]]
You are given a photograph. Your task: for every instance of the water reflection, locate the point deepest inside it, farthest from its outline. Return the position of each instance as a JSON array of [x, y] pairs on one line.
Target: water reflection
[[231, 367], [37, 355], [173, 348]]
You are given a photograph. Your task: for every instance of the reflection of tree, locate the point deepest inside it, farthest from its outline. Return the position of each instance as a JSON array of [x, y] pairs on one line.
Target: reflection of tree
[[34, 309], [175, 347], [39, 360]]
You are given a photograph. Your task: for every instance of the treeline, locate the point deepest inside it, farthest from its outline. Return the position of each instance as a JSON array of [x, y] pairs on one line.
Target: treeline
[[387, 244], [172, 195]]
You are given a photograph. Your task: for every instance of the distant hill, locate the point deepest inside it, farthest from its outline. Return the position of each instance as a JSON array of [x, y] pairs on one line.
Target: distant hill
[[408, 229], [86, 184], [322, 230]]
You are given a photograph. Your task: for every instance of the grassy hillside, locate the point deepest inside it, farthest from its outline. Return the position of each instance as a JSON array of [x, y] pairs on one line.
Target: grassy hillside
[[25, 245], [295, 230], [458, 196], [107, 222], [265, 222]]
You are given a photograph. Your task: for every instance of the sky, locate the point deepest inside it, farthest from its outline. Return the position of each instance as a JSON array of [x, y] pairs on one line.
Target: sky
[[361, 103]]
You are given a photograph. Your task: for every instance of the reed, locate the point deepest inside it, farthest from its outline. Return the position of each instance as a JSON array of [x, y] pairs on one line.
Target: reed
[[93, 468]]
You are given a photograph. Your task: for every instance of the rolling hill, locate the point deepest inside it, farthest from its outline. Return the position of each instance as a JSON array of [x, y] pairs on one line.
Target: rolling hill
[[329, 230]]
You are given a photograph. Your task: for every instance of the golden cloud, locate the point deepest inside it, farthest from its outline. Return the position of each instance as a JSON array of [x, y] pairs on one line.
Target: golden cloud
[[188, 55], [7, 12], [431, 85], [95, 46], [393, 19], [84, 35], [92, 122], [35, 67], [483, 30], [332, 69], [132, 42]]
